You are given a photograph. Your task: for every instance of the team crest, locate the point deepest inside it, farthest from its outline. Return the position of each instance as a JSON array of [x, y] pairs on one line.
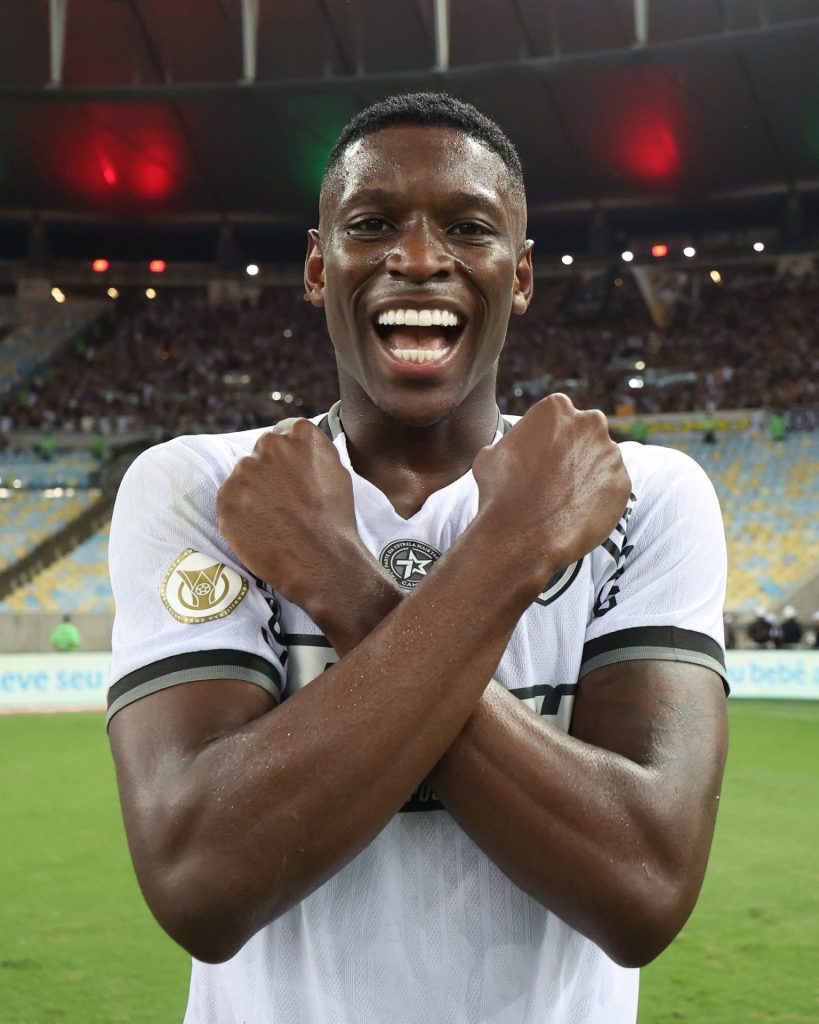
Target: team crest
[[558, 583], [408, 561], [197, 589]]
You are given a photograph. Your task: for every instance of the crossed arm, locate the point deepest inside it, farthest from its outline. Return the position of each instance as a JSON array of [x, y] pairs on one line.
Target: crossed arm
[[235, 810]]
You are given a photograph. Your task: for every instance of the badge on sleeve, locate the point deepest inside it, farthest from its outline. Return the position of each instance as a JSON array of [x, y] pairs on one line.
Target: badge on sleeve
[[197, 589]]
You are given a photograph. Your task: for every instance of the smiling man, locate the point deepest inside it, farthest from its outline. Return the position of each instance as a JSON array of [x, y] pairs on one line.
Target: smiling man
[[418, 713]]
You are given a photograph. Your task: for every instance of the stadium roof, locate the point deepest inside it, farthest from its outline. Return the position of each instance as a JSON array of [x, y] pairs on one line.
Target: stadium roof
[[126, 113]]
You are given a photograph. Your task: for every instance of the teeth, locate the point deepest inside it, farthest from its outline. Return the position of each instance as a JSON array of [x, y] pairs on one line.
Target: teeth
[[420, 355], [419, 318]]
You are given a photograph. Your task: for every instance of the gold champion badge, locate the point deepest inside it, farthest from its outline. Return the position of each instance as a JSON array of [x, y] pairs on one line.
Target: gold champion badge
[[197, 589]]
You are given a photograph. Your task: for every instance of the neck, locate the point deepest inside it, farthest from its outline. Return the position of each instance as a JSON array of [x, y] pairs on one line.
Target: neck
[[408, 461]]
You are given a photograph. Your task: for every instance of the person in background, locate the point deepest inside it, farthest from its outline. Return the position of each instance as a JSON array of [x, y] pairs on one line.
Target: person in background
[[45, 447], [761, 628], [639, 432], [790, 629], [65, 636], [730, 632], [777, 426]]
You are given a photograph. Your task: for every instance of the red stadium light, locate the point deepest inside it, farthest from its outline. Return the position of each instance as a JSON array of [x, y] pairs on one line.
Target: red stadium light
[[100, 266], [658, 251], [157, 266]]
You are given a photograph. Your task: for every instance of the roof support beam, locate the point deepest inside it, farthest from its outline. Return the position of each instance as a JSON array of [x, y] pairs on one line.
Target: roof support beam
[[651, 54], [250, 37], [640, 22], [441, 35], [57, 10]]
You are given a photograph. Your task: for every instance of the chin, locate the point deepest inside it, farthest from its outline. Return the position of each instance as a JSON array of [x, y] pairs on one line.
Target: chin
[[420, 410]]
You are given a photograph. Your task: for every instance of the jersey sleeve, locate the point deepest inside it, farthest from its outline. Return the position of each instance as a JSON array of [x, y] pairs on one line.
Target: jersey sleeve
[[186, 609], [660, 577]]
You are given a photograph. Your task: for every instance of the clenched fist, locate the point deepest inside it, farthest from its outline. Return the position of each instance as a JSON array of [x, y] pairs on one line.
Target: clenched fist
[[287, 510], [553, 487]]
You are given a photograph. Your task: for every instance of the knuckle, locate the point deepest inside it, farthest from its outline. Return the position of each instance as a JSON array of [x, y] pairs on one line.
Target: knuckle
[[301, 427], [596, 419], [283, 426], [561, 400], [263, 443]]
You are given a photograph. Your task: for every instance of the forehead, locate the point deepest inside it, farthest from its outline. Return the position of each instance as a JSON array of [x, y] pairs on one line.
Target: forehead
[[418, 159]]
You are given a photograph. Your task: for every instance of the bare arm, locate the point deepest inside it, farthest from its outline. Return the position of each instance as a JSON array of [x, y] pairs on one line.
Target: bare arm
[[610, 827], [235, 810]]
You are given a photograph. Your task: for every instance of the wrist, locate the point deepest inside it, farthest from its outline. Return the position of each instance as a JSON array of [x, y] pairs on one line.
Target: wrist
[[355, 599], [520, 565]]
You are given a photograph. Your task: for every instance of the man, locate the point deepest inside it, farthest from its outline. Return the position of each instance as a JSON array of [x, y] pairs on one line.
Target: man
[[490, 792], [790, 629], [762, 629], [65, 636]]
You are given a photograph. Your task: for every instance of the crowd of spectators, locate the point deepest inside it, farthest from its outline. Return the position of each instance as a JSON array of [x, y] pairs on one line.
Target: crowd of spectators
[[183, 364], [766, 631]]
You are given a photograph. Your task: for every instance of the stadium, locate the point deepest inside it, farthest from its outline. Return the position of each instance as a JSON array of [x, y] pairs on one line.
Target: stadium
[[160, 168]]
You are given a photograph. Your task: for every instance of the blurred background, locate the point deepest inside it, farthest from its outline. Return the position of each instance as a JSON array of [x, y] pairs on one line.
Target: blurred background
[[159, 168]]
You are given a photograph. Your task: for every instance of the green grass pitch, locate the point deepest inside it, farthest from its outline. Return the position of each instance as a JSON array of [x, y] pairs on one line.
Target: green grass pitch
[[78, 945]]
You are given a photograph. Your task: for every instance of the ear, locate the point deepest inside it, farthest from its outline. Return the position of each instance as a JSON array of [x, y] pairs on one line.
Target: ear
[[524, 280], [314, 270]]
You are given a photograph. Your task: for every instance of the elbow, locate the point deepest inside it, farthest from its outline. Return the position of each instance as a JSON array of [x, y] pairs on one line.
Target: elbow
[[203, 940], [196, 915], [649, 924], [637, 949]]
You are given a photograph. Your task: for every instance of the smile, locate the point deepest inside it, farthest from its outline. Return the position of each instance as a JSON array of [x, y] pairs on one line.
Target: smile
[[419, 336]]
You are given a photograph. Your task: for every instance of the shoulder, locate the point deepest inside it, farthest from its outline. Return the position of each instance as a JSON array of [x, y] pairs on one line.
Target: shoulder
[[210, 454], [651, 462], [187, 471], [666, 477], [178, 480]]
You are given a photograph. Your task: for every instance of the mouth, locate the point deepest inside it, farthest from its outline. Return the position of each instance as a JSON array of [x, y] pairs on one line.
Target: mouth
[[419, 336]]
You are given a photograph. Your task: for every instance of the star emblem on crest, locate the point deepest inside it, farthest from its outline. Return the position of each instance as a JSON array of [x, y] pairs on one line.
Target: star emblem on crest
[[413, 564]]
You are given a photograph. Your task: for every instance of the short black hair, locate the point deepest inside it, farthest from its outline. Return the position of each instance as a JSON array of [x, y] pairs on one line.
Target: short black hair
[[435, 110]]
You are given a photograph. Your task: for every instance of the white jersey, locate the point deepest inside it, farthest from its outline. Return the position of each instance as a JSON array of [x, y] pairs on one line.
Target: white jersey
[[421, 927]]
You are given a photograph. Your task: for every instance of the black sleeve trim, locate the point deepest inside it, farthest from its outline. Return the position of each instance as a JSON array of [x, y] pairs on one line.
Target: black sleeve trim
[[305, 640], [552, 695], [192, 667], [661, 643]]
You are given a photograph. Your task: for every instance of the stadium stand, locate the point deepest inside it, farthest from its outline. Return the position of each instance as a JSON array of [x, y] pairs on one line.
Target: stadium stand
[[769, 493], [33, 343], [75, 584], [30, 517], [188, 365], [21, 469], [48, 506]]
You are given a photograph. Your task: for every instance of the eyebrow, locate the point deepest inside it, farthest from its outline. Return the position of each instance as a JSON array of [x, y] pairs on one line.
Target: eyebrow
[[458, 198]]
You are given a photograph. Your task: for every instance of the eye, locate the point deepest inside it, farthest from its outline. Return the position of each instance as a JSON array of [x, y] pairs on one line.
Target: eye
[[369, 226], [471, 228]]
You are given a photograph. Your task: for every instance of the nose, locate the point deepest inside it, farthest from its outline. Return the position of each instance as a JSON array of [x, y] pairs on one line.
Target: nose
[[419, 253]]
